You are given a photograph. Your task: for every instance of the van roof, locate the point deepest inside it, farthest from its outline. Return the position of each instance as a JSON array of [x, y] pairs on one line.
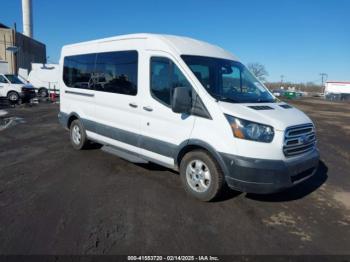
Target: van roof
[[182, 45]]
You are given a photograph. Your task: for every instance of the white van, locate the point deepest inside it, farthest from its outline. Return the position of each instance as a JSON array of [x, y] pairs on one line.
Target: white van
[[44, 78], [14, 89], [187, 105]]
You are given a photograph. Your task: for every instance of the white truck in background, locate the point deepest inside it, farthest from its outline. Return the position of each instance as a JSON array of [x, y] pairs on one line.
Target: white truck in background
[[44, 78], [337, 91]]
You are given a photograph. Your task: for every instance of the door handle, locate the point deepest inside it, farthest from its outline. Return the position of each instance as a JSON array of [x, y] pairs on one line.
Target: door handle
[[147, 108], [133, 105]]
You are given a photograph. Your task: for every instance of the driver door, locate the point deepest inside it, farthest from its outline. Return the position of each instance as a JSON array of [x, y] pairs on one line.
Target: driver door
[[162, 130]]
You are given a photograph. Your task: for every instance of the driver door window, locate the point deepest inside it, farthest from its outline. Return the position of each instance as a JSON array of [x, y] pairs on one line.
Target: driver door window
[[165, 76]]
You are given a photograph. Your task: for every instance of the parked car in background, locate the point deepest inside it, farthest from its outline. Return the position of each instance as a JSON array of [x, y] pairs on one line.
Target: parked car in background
[[278, 92], [44, 78], [14, 89], [187, 105]]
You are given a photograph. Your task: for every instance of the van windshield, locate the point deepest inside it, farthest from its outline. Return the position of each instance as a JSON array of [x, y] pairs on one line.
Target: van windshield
[[14, 79], [227, 80]]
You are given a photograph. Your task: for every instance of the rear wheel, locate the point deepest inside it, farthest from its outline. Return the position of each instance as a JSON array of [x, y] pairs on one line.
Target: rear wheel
[[78, 135], [201, 175]]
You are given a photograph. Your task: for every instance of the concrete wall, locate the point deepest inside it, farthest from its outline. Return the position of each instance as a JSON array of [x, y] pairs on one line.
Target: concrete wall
[[6, 40], [4, 67], [30, 50]]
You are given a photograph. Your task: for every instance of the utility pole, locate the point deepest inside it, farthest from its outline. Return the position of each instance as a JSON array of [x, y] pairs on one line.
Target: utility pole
[[282, 77], [323, 77], [16, 55]]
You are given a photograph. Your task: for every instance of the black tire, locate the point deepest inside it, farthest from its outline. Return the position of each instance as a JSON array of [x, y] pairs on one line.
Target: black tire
[[13, 97], [217, 181], [43, 93], [82, 142]]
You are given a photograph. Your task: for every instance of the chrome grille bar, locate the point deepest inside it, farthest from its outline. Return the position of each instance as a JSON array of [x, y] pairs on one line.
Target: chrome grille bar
[[299, 139]]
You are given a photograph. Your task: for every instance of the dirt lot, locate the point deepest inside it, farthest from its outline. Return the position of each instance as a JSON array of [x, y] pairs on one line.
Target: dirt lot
[[55, 200]]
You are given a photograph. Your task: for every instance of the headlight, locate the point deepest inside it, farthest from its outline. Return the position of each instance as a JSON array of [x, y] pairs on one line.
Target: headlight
[[245, 129]]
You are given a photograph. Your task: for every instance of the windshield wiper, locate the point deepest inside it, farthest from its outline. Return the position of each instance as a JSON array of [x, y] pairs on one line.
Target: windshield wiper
[[264, 101], [225, 99]]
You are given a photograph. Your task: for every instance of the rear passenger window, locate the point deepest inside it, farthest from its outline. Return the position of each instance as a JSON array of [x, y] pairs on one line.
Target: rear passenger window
[[165, 76], [116, 72], [78, 70]]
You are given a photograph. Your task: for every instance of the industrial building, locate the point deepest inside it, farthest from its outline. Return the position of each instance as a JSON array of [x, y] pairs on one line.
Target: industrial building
[[19, 50], [336, 90]]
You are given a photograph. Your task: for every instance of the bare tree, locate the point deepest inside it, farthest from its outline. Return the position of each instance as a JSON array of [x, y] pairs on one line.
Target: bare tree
[[258, 70]]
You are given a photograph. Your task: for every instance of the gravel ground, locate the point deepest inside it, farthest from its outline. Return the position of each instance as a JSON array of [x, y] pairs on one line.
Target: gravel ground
[[55, 200]]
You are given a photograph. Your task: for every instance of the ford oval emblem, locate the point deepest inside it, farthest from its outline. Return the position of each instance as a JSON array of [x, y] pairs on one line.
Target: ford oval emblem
[[303, 139]]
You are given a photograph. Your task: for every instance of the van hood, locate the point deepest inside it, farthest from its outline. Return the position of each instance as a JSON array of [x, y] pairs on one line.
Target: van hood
[[28, 86], [278, 115], [17, 87]]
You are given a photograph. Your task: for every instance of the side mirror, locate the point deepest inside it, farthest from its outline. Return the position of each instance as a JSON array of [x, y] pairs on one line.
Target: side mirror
[[181, 101]]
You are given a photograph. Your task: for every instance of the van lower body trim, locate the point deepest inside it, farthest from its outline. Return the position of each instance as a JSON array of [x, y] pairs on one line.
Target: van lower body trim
[[115, 144], [148, 143]]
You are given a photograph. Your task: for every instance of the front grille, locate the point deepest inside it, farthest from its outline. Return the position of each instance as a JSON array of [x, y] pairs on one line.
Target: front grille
[[299, 139], [28, 90]]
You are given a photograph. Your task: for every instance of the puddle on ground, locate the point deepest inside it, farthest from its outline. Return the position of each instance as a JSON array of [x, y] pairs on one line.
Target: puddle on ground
[[10, 121]]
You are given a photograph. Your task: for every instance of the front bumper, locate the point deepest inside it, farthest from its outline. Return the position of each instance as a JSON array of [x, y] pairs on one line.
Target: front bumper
[[268, 176], [27, 95]]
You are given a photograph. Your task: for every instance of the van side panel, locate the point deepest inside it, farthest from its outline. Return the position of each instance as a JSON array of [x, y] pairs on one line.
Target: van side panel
[[117, 109], [79, 101]]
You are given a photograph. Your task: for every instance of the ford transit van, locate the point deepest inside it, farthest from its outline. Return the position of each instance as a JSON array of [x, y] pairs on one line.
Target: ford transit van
[[186, 105]]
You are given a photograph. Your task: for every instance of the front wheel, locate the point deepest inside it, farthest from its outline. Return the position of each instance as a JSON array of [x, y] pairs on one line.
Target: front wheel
[[201, 175], [78, 135], [13, 97], [43, 93]]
